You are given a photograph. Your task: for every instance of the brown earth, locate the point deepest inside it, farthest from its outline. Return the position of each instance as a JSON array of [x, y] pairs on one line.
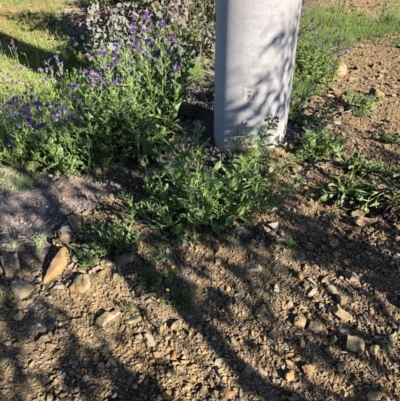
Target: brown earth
[[264, 321]]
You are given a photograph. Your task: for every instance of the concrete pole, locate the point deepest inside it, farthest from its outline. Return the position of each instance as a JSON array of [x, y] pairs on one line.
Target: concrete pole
[[255, 53]]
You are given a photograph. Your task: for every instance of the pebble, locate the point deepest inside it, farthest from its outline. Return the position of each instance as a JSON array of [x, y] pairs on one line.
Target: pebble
[[332, 289], [65, 234], [19, 316], [334, 243], [149, 340], [135, 319], [312, 292], [290, 376], [339, 312], [316, 327], [308, 370], [76, 223], [355, 344], [227, 394], [351, 277], [300, 321], [374, 350], [107, 317], [21, 289]]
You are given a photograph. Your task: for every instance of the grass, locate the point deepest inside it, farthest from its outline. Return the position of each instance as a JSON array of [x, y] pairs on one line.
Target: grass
[[12, 180], [38, 239]]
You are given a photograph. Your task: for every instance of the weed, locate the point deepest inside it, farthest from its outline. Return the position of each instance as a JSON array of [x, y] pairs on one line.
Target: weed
[[185, 192], [331, 216], [391, 139], [288, 242], [360, 103], [38, 240], [127, 307], [13, 181], [316, 145]]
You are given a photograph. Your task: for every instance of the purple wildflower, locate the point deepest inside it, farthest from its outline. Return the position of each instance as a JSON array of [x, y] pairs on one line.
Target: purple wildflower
[[163, 23], [172, 38], [89, 56]]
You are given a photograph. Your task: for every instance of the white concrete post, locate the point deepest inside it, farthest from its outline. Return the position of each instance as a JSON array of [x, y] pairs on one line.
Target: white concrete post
[[255, 53]]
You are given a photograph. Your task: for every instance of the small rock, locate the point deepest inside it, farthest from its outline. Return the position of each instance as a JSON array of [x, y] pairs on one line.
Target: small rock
[[254, 268], [81, 284], [174, 355], [10, 263], [273, 334], [43, 339], [355, 344], [276, 288], [289, 376], [334, 243], [248, 370], [261, 311], [135, 319], [125, 259], [50, 347], [341, 366], [49, 397], [227, 394], [308, 370], [352, 277], [149, 340], [332, 289], [309, 246], [76, 223], [374, 350], [341, 299], [274, 225], [374, 395], [57, 265], [19, 316], [176, 325], [312, 292], [339, 312], [300, 321], [363, 221], [107, 317], [219, 362], [65, 234], [300, 275], [376, 92], [21, 289], [342, 70], [316, 327]]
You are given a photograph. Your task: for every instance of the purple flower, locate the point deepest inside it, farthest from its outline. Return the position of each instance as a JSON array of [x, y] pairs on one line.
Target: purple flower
[[163, 23], [102, 52], [145, 15], [40, 69], [176, 67], [172, 38], [89, 56], [143, 29]]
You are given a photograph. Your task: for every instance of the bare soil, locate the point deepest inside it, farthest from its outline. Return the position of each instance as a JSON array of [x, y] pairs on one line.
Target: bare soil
[[263, 321]]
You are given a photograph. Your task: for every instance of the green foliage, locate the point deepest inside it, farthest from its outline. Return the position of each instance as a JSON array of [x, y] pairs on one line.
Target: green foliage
[[185, 192], [105, 22], [121, 108], [360, 103], [38, 239], [109, 238], [288, 242], [390, 139], [316, 145], [371, 184]]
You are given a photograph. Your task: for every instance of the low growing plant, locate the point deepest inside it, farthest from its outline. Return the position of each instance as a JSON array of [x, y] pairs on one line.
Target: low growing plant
[[316, 145], [360, 103], [185, 192]]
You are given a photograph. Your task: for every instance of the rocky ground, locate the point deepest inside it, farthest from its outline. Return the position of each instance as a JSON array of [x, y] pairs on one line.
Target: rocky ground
[[260, 317]]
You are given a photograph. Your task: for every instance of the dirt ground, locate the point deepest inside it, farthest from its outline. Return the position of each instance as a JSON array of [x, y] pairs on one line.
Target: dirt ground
[[318, 322]]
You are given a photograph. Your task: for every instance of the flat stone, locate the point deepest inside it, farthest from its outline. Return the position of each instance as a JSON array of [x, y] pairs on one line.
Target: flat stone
[[341, 299], [43, 339], [316, 327], [81, 284], [300, 321], [21, 289], [76, 223], [176, 325], [312, 293], [57, 265], [135, 319], [107, 317], [149, 340], [125, 259], [49, 397], [290, 376], [10, 263], [339, 312], [355, 344], [363, 221]]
